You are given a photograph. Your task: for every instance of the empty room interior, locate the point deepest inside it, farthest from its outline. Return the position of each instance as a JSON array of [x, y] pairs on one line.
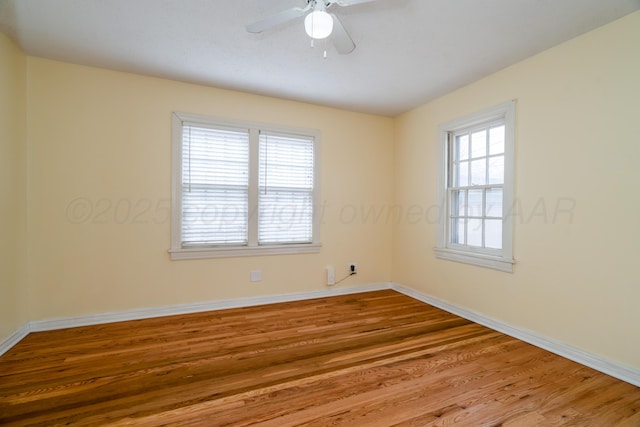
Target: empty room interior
[[214, 214]]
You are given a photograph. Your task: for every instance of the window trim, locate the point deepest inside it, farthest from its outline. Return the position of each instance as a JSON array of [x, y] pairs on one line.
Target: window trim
[[177, 252], [502, 261]]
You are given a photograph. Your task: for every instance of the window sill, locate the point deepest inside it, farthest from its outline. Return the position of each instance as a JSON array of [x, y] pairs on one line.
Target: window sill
[[201, 253], [482, 260]]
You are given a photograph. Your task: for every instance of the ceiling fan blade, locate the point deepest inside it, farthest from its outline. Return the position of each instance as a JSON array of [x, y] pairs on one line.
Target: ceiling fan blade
[[352, 2], [277, 19], [341, 39]]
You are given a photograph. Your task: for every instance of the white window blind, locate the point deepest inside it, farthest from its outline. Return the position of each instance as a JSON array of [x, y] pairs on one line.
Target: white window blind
[[215, 186], [286, 186], [243, 189]]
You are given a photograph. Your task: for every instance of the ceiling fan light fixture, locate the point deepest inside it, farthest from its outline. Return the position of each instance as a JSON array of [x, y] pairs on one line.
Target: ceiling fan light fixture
[[318, 24]]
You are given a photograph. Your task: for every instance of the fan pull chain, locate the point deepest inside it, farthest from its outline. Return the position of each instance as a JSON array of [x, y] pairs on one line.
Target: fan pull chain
[[325, 49], [312, 23]]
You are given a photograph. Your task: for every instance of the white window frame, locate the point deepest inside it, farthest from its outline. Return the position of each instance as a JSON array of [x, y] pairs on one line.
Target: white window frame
[[496, 259], [252, 248]]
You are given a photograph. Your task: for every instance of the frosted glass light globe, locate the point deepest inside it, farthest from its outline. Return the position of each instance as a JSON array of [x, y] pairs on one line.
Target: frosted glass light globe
[[318, 24]]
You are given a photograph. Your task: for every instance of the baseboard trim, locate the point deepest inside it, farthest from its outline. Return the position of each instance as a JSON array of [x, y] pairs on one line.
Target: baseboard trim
[[14, 338], [617, 370], [146, 313]]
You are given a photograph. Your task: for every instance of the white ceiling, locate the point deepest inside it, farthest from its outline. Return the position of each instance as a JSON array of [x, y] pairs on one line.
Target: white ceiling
[[408, 51]]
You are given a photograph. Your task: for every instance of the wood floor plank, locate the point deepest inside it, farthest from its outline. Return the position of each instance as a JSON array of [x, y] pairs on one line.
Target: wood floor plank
[[371, 359]]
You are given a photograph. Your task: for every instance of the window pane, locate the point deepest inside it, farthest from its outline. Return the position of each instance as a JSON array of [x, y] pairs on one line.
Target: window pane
[[285, 162], [285, 202], [496, 170], [494, 202], [458, 203], [461, 174], [215, 156], [213, 216], [479, 172], [479, 144], [475, 203], [457, 231], [474, 232], [215, 179], [285, 217], [496, 140], [475, 176], [462, 147], [493, 234]]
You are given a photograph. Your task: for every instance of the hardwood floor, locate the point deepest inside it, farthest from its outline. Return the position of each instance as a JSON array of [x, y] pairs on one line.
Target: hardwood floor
[[373, 359]]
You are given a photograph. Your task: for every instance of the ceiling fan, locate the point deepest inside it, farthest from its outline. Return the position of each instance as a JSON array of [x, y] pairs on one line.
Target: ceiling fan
[[318, 23]]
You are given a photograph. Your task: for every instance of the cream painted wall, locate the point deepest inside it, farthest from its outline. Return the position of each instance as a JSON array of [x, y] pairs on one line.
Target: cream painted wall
[[100, 183], [577, 236], [13, 181]]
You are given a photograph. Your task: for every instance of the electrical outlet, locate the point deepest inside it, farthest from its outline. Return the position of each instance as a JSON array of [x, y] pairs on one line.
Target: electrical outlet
[[353, 268], [255, 275], [331, 276]]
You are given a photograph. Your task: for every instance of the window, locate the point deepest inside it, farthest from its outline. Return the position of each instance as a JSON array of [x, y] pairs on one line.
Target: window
[[242, 189], [476, 190]]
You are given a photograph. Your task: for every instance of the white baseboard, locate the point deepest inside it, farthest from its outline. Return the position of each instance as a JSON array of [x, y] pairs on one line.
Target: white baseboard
[[146, 313], [617, 370], [598, 363], [14, 338]]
